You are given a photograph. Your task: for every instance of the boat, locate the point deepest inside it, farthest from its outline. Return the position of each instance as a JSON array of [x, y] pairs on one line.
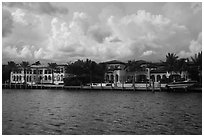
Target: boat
[[181, 84]]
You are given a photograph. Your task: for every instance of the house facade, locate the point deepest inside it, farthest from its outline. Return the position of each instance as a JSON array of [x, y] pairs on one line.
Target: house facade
[[38, 74], [117, 73]]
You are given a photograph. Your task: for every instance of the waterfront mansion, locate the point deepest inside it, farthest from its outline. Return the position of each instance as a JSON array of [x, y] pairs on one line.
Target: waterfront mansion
[[119, 73], [38, 74]]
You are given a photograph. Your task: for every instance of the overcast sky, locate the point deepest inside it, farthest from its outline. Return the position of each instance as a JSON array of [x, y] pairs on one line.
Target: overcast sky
[[62, 32]]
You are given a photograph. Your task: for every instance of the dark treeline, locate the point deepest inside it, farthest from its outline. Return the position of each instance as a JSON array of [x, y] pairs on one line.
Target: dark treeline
[[88, 71], [83, 72]]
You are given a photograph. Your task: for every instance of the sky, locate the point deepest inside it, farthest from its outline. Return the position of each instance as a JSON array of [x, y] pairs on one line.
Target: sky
[[63, 32]]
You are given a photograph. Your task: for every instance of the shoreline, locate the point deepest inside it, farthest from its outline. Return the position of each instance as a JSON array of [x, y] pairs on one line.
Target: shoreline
[[58, 87]]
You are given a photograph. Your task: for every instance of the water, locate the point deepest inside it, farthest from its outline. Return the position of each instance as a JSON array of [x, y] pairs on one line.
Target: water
[[98, 112]]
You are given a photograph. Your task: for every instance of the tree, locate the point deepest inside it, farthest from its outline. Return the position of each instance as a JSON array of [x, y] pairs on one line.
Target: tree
[[25, 66], [181, 65], [171, 60], [52, 67], [135, 65], [85, 72], [197, 60], [37, 63], [196, 68], [6, 70]]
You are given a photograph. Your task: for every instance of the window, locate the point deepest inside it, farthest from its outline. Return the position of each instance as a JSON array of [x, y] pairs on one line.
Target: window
[[45, 77], [40, 71], [49, 71], [14, 78], [49, 77], [152, 77], [158, 77], [107, 77], [45, 71], [61, 70], [116, 77], [34, 71]]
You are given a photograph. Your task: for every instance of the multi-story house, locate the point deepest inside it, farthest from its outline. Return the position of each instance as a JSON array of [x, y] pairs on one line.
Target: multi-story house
[[117, 73], [38, 74]]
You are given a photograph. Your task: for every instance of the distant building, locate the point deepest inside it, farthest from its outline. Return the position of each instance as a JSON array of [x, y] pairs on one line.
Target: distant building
[[38, 74]]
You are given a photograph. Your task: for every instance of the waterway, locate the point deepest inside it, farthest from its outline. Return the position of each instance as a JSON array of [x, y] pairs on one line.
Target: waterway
[[43, 112]]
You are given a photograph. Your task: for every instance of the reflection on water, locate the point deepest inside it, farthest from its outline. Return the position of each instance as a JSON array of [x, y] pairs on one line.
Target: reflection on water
[[97, 112]]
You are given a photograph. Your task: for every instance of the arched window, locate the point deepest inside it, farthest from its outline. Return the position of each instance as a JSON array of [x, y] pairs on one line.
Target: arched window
[[17, 78], [112, 78], [58, 78], [61, 77], [107, 77], [45, 77], [49, 77], [40, 78], [30, 78], [163, 76], [152, 77], [116, 77], [14, 78], [20, 78], [158, 78], [27, 78]]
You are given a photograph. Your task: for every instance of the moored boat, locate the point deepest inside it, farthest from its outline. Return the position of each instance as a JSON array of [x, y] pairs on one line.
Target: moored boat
[[181, 84]]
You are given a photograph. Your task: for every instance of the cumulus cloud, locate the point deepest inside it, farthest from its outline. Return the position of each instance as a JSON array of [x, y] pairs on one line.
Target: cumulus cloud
[[113, 35], [196, 6], [121, 38], [18, 16], [194, 47], [39, 7], [7, 22], [148, 52]]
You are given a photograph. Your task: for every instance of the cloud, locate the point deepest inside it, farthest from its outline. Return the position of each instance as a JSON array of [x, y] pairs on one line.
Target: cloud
[[148, 52], [7, 22], [38, 7], [18, 16], [113, 35], [131, 36], [194, 47], [197, 7], [185, 13], [99, 33]]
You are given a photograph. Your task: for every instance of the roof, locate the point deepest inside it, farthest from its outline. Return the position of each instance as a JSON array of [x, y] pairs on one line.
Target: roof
[[158, 71], [114, 62], [45, 66], [38, 66]]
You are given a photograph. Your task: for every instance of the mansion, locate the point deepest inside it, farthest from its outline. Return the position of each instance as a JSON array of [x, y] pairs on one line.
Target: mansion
[[118, 73], [38, 74]]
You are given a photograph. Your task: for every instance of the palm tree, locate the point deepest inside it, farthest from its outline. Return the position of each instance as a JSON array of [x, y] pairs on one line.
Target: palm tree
[[10, 67], [181, 65], [52, 66], [197, 64], [170, 63], [197, 60], [25, 66]]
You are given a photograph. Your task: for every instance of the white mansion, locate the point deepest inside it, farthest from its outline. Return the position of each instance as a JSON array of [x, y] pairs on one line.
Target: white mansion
[[38, 74]]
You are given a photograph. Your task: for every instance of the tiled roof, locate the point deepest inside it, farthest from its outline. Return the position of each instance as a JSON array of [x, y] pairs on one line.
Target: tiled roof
[[114, 62]]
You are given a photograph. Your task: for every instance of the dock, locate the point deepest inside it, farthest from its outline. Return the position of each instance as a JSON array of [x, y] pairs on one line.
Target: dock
[[104, 88]]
